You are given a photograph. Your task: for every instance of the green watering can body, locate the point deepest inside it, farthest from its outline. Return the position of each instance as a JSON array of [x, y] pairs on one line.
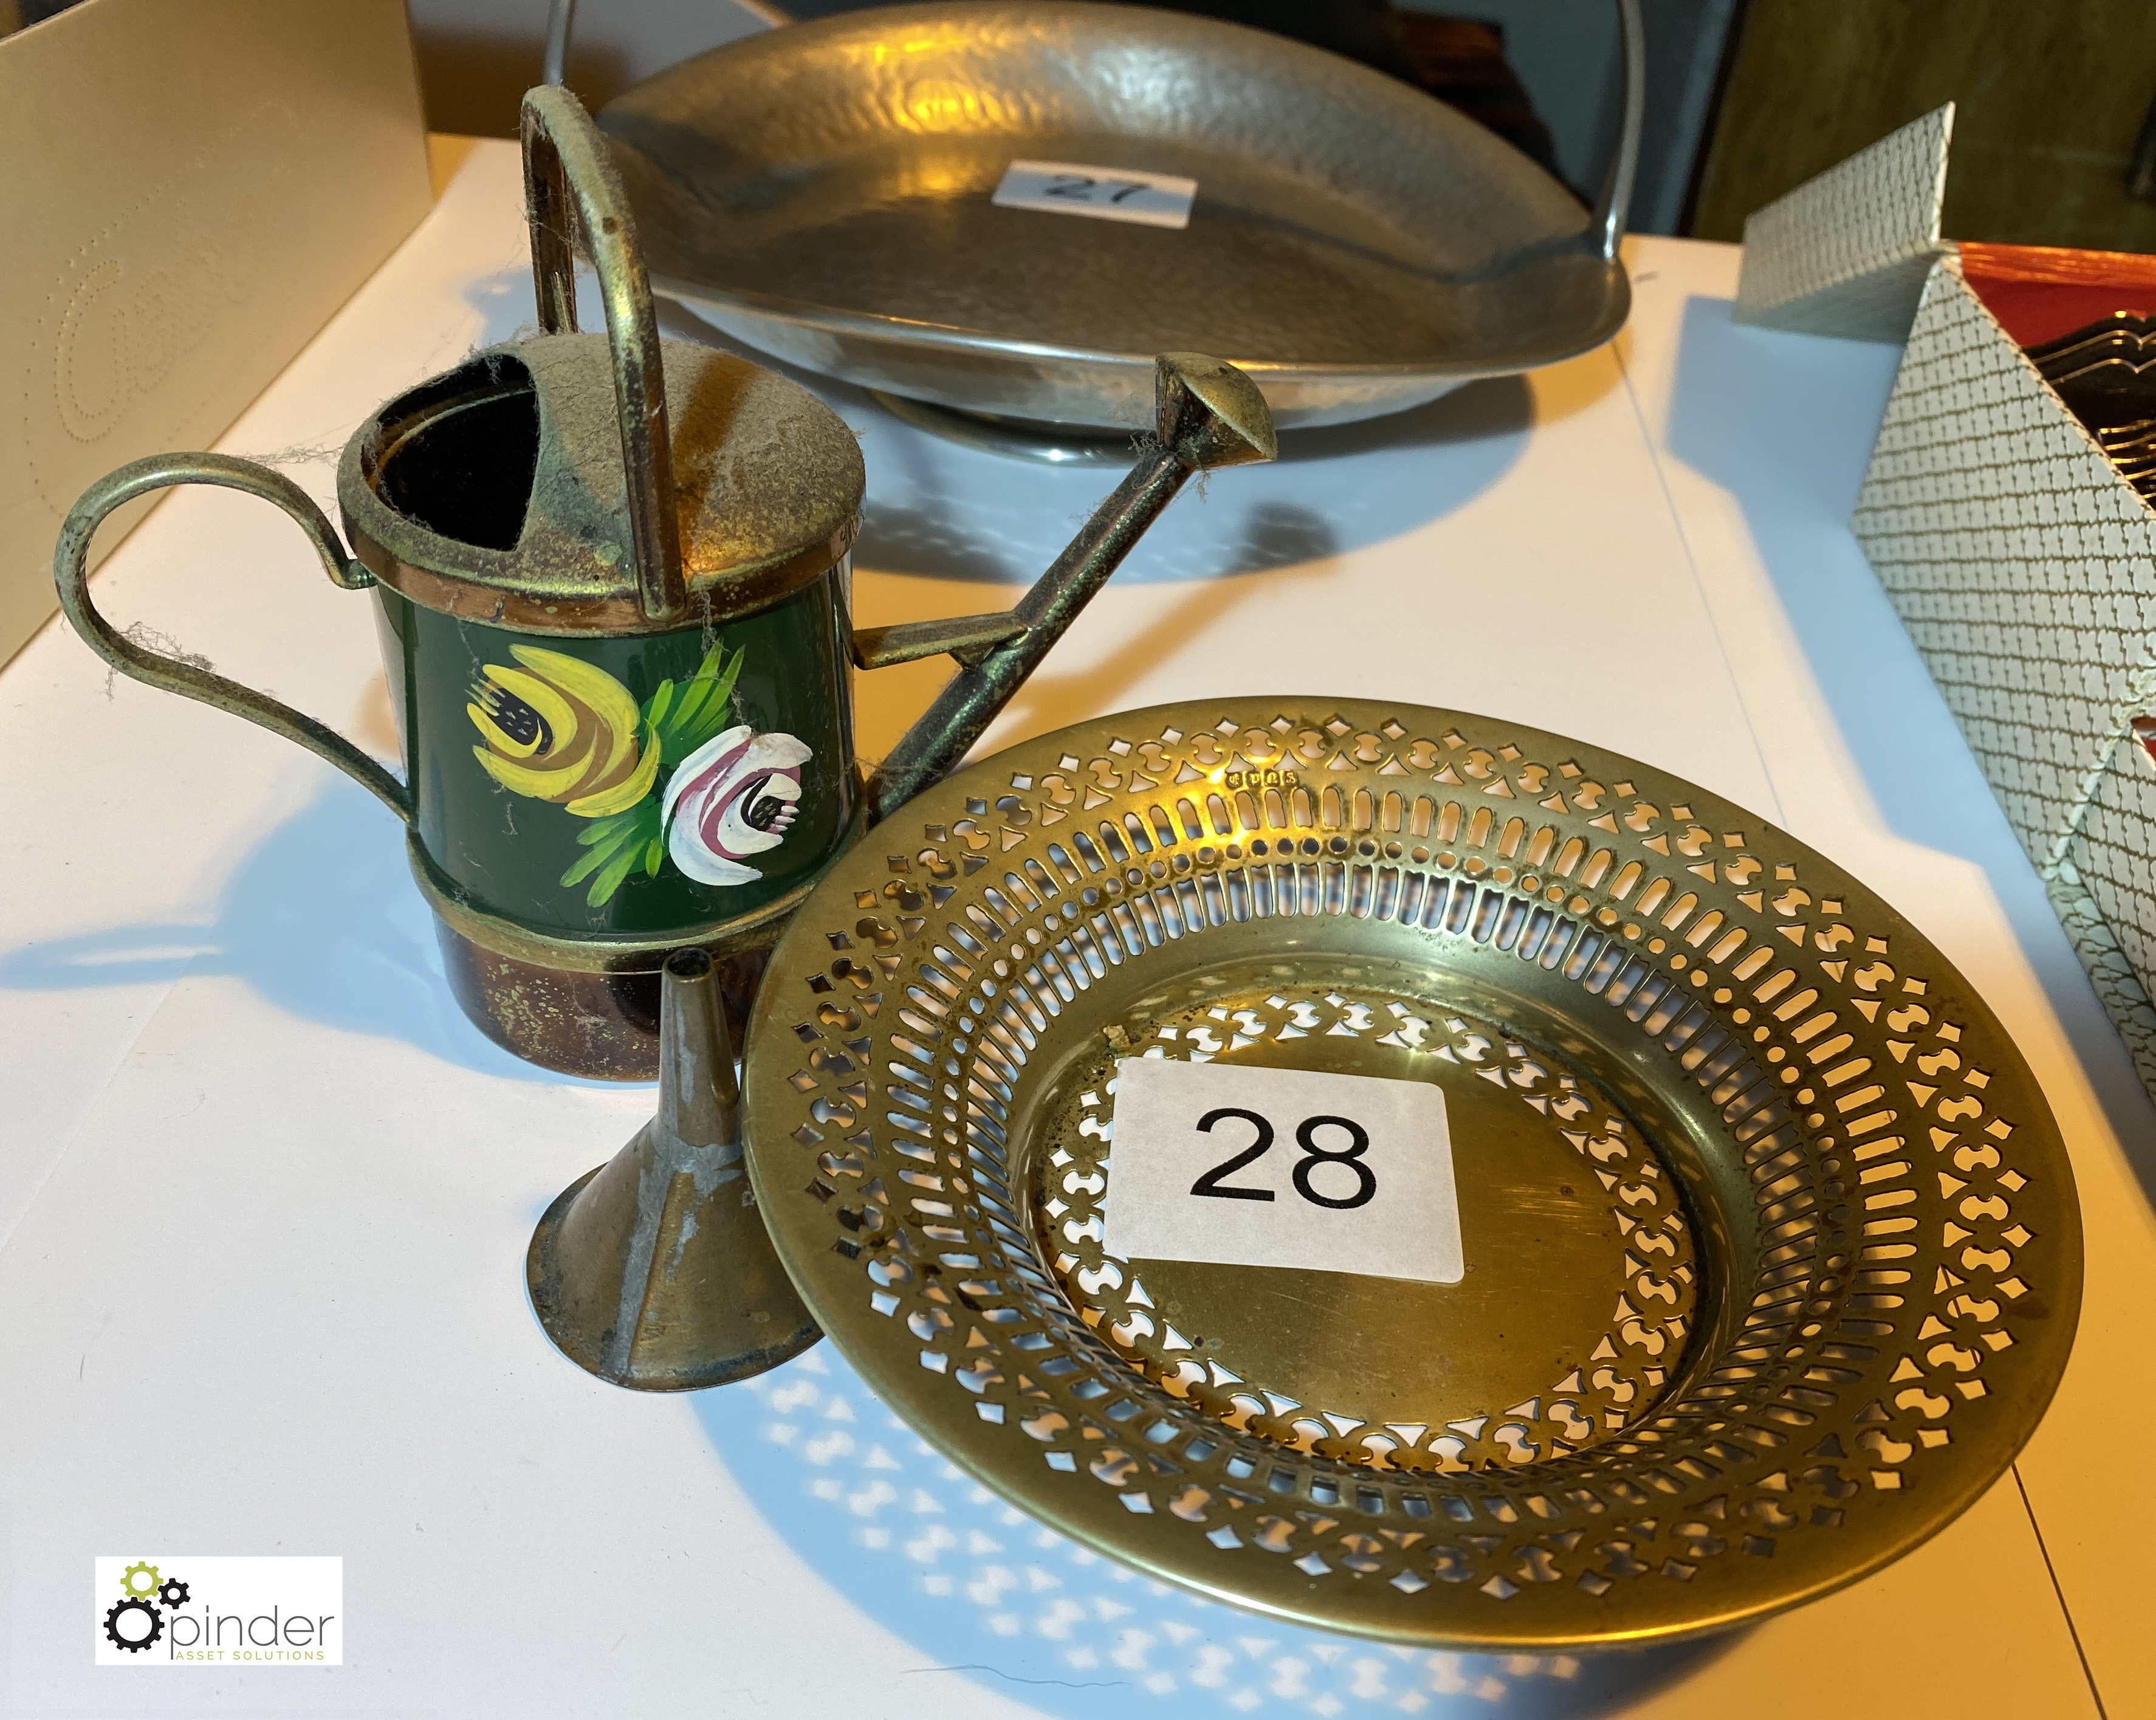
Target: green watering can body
[[612, 578], [590, 785]]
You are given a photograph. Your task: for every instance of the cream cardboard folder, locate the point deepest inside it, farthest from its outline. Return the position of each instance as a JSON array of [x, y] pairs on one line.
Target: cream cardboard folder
[[187, 192]]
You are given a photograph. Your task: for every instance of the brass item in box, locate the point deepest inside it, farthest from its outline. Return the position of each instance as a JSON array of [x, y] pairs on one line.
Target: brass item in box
[[1775, 1258]]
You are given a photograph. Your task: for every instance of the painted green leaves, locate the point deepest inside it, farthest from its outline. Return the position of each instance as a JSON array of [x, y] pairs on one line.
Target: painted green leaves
[[614, 847], [559, 729], [677, 719]]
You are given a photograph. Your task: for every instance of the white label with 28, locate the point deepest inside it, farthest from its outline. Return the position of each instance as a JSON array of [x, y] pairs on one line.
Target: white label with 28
[[1282, 1167]]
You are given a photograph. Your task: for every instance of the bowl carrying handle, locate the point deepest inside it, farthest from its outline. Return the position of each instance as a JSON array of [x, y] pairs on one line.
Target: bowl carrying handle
[[192, 680], [570, 184], [1615, 202]]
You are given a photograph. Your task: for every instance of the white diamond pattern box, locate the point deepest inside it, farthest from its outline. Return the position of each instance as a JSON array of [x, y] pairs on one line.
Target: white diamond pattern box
[[2024, 567]]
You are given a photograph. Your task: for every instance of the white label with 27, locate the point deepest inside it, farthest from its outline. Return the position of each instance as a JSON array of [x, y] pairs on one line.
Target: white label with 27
[[1282, 1167], [1105, 194]]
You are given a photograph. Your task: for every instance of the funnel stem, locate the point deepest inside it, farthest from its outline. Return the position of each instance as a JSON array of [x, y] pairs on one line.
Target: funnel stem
[[699, 1091]]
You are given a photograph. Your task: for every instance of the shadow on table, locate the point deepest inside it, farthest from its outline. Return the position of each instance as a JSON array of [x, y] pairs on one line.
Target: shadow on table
[[1055, 696], [320, 917], [981, 1591], [940, 510], [1767, 415]]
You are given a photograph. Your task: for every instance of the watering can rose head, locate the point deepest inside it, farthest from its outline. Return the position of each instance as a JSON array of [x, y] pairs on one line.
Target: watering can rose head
[[733, 796], [556, 728]]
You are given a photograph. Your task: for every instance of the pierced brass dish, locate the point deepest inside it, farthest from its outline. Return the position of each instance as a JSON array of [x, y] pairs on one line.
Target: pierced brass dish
[[1773, 1254]]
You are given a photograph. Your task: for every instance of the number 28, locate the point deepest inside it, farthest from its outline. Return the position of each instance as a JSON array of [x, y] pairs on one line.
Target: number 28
[[1349, 1156]]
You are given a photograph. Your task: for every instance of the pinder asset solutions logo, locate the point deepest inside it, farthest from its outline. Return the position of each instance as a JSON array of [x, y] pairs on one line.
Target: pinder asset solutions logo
[[199, 1611]]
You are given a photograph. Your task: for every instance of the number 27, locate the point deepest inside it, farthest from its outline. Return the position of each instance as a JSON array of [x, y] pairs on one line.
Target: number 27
[[1314, 1155], [1081, 187]]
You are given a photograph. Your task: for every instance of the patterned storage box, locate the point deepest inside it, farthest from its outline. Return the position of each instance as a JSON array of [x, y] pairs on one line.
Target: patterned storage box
[[2022, 564], [1848, 253], [2024, 568]]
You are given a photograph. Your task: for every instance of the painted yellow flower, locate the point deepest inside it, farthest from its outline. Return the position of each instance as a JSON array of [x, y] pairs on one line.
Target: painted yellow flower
[[560, 729]]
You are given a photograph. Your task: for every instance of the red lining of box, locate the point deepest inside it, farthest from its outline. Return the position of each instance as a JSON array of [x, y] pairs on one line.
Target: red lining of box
[[2040, 292]]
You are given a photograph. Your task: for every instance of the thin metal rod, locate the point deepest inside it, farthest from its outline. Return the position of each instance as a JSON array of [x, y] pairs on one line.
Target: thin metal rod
[[561, 21], [1615, 202]]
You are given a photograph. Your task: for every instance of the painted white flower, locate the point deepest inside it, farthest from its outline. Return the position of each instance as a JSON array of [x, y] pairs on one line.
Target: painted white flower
[[733, 796]]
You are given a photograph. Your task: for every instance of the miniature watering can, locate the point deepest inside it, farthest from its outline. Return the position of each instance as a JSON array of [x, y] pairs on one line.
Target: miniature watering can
[[612, 578]]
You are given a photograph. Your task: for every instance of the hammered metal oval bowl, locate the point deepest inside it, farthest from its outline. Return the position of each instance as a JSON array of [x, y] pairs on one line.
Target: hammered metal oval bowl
[[824, 193], [1773, 1254]]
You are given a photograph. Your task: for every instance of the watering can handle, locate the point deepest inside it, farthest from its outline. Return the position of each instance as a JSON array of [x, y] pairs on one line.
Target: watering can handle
[[190, 680], [570, 183]]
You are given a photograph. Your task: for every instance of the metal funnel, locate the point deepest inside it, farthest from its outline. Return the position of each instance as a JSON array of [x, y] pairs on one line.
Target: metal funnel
[[655, 1270]]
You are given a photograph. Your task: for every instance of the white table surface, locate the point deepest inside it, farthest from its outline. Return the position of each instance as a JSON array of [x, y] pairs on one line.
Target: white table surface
[[265, 1195]]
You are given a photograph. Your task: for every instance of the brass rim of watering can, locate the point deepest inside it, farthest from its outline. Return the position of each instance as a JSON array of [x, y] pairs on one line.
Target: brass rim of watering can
[[1696, 1072], [392, 548], [602, 953]]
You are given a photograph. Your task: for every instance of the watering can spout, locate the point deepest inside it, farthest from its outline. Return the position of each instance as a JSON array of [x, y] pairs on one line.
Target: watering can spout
[[1208, 415]]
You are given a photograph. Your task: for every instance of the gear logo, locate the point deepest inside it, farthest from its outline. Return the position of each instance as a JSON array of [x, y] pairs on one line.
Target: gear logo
[[214, 1610], [131, 1635], [136, 1620]]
